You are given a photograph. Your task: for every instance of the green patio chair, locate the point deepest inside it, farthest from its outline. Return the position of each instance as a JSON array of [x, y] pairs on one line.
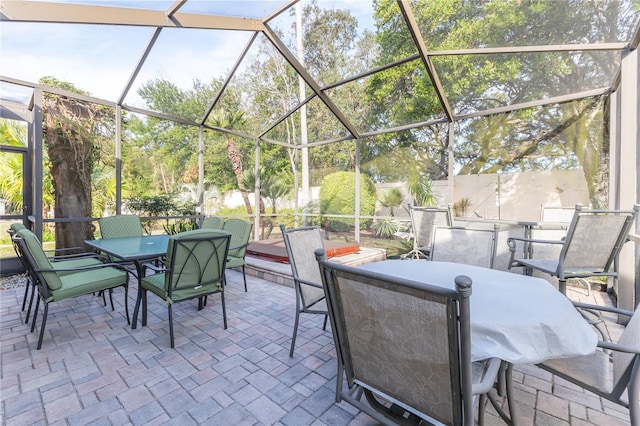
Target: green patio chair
[[58, 262], [56, 283], [194, 269], [213, 222], [120, 226], [240, 231]]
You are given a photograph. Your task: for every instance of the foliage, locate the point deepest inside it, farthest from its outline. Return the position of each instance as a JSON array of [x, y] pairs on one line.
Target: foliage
[[422, 190], [460, 207], [160, 205], [178, 227], [385, 228], [337, 196], [392, 199], [561, 136]]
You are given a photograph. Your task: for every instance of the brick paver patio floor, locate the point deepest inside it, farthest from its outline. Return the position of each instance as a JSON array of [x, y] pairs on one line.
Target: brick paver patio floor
[[94, 369]]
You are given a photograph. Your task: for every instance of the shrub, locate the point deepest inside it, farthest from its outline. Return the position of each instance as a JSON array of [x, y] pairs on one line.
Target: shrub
[[337, 196], [385, 228]]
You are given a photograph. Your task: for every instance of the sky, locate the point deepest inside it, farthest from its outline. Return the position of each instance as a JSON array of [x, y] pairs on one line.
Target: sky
[[100, 59]]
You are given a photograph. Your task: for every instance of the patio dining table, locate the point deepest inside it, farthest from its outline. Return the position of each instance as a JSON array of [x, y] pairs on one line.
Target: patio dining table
[[517, 318], [133, 249]]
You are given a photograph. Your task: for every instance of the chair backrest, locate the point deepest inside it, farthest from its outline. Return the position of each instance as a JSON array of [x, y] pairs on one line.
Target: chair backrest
[[622, 360], [197, 260], [120, 226], [595, 237], [13, 228], [37, 259], [464, 245], [556, 214], [213, 222], [240, 231], [300, 244], [423, 219], [406, 340]]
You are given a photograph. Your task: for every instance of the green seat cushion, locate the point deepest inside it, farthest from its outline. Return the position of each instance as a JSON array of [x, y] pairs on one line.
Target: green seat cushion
[[79, 283], [75, 263], [156, 284], [234, 262]]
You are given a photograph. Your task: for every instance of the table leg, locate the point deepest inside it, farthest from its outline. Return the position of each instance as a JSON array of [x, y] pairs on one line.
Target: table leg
[[139, 268]]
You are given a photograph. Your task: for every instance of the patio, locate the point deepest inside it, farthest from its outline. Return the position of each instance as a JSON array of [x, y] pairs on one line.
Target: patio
[[93, 369]]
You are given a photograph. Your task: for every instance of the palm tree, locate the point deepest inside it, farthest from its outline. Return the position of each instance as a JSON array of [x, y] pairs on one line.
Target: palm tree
[[392, 199], [229, 120]]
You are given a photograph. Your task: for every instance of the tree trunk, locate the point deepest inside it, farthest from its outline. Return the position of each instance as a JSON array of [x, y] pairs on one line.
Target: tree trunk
[[236, 165], [71, 162]]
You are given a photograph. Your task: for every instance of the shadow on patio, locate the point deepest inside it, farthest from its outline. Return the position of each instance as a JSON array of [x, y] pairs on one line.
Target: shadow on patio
[[93, 369]]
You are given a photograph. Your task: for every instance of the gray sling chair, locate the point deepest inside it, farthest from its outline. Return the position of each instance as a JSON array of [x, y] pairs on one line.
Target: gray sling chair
[[610, 371], [57, 261], [592, 243], [55, 283], [423, 220], [300, 244], [464, 245], [409, 344], [194, 269]]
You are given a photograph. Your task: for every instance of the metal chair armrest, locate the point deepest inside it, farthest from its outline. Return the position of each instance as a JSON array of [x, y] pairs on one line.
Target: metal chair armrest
[[86, 268]]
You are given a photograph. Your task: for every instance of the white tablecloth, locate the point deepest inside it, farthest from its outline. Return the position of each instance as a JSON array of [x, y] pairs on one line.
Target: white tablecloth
[[514, 317]]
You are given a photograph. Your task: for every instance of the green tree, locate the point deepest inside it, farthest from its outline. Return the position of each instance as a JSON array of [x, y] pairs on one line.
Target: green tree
[[337, 196], [559, 133], [392, 199], [73, 131]]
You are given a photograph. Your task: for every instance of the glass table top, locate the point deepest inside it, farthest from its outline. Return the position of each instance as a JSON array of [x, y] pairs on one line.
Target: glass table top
[[132, 248]]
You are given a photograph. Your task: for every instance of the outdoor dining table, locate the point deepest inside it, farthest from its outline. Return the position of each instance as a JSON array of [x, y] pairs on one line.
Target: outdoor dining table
[[133, 249], [517, 318]]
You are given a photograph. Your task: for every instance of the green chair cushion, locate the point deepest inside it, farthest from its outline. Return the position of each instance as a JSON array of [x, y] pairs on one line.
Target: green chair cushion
[[75, 263], [85, 282], [156, 284], [40, 257]]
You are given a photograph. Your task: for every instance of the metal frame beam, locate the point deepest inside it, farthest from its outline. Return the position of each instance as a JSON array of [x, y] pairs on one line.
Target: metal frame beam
[[35, 11]]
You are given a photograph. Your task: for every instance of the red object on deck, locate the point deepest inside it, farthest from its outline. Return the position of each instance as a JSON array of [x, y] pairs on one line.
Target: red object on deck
[[275, 251]]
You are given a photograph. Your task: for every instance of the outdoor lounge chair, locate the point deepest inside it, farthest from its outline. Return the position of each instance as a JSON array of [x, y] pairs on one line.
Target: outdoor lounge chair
[[423, 219], [300, 244], [194, 269], [240, 231], [406, 346], [464, 245], [592, 243], [611, 371], [55, 283]]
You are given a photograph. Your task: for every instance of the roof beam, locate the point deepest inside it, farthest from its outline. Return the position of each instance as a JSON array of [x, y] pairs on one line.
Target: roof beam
[[540, 102], [35, 11], [530, 49], [412, 25], [302, 72]]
